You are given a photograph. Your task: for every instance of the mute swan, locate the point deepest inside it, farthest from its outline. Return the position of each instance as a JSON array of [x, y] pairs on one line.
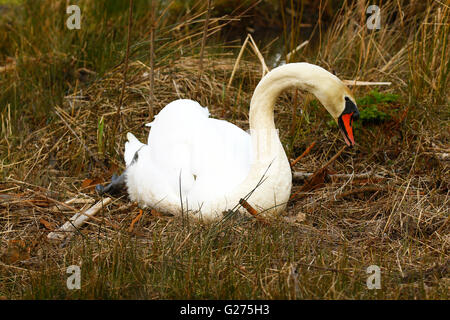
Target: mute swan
[[204, 166]]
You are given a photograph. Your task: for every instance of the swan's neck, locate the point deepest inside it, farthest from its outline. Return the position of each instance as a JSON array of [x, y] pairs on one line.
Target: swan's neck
[[301, 75]]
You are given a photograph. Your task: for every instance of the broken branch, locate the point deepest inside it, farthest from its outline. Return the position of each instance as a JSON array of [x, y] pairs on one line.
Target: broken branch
[[317, 178], [301, 176], [308, 150], [77, 220], [251, 210]]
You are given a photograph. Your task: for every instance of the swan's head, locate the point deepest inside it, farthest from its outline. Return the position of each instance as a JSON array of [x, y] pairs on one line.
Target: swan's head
[[345, 120], [340, 103]]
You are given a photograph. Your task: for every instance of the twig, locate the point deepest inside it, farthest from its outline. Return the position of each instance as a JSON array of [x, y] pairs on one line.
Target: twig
[[251, 210], [77, 220], [248, 207], [300, 176], [58, 204], [308, 150], [17, 268], [237, 62], [334, 157], [311, 182], [138, 217], [361, 190], [365, 83], [265, 69], [288, 56]]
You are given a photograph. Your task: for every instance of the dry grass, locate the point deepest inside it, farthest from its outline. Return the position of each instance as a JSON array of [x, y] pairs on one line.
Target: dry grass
[[398, 220]]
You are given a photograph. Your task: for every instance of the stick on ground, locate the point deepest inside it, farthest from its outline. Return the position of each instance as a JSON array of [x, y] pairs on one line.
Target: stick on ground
[[251, 210], [300, 176], [138, 217], [311, 183], [77, 220], [308, 150]]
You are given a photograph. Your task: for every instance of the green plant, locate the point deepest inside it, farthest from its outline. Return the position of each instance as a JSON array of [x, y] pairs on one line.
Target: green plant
[[371, 105], [372, 114], [376, 97], [371, 108]]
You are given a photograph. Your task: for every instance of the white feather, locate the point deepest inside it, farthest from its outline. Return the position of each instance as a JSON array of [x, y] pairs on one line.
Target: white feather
[[204, 165]]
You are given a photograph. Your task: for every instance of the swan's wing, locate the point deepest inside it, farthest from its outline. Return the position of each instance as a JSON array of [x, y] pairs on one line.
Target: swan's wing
[[171, 140], [177, 117], [221, 159], [207, 156], [174, 133]]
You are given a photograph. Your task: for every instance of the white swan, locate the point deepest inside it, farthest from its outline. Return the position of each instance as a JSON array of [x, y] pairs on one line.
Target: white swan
[[204, 166]]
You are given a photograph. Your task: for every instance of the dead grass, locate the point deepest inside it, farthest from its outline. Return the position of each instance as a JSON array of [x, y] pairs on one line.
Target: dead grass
[[398, 220]]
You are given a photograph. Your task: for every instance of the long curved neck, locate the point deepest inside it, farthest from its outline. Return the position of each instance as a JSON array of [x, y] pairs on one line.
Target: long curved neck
[[305, 76]]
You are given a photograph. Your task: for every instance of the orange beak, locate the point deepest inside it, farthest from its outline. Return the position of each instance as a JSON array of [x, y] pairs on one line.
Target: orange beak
[[345, 122]]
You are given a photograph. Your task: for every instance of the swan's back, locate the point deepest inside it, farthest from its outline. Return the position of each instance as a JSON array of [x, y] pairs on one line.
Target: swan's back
[[187, 151]]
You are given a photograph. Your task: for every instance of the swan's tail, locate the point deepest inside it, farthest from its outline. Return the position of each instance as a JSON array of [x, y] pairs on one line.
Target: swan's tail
[[131, 147]]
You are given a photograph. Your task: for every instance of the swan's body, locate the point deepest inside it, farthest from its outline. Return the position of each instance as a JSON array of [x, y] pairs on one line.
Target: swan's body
[[187, 152], [196, 164]]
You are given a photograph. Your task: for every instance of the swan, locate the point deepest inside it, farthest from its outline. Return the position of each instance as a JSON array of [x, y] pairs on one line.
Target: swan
[[203, 166]]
